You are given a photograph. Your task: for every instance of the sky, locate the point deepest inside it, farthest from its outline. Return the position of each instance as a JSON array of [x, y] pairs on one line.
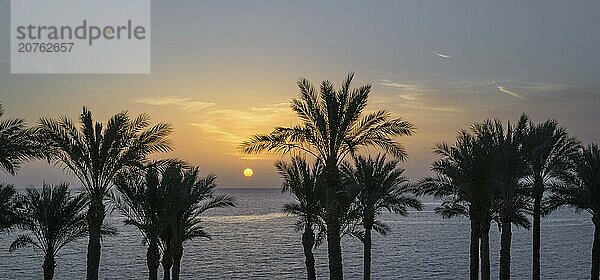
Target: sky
[[224, 70]]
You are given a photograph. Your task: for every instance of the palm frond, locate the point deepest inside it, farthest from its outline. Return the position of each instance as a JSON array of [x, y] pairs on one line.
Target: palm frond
[[22, 241], [381, 228], [8, 205], [18, 143], [332, 125]]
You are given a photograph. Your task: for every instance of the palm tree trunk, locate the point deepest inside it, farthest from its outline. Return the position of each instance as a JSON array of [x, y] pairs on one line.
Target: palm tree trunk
[[95, 219], [537, 212], [474, 250], [596, 249], [49, 265], [367, 252], [505, 242], [334, 246], [485, 250], [308, 242], [167, 263], [153, 260], [177, 255]]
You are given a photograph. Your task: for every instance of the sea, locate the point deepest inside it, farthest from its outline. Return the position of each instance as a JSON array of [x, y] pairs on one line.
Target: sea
[[255, 240]]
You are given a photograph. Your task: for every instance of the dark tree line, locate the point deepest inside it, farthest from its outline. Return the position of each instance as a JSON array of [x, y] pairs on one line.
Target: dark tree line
[[494, 173], [163, 199]]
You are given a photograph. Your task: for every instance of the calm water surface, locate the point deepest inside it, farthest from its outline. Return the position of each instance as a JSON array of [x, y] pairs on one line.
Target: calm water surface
[[256, 241]]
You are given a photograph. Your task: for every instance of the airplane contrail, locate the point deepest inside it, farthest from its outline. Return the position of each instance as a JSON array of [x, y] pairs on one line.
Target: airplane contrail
[[441, 55], [507, 91]]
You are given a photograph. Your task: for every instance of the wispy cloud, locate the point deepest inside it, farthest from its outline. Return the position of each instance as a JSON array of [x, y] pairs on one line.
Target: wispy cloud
[[508, 91], [519, 87], [546, 87], [407, 91], [212, 128], [182, 102], [273, 108], [227, 126], [402, 86], [233, 126], [410, 97]]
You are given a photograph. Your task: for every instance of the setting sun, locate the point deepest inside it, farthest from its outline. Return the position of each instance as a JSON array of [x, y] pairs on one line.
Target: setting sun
[[248, 172]]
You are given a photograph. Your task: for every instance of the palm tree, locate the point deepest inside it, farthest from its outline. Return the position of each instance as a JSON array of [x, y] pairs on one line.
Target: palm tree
[[139, 201], [551, 150], [8, 217], [462, 182], [582, 191], [95, 153], [332, 126], [509, 168], [304, 182], [17, 143], [54, 218], [187, 197], [382, 186]]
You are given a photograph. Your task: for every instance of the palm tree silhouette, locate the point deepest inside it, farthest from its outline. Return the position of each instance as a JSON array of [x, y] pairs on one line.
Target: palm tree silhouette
[[380, 185], [462, 182], [140, 200], [95, 154], [581, 190], [304, 183], [17, 143], [550, 152], [509, 169], [186, 196], [54, 218], [332, 127], [8, 217]]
